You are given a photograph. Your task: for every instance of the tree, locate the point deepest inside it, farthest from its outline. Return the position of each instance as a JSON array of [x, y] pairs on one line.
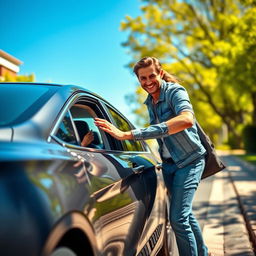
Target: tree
[[211, 46], [19, 78]]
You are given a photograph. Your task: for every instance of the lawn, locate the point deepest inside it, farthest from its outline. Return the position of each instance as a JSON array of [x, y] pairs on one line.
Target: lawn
[[251, 158]]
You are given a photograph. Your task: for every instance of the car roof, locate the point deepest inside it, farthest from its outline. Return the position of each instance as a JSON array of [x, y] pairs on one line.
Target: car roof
[[65, 87], [38, 128], [34, 83], [46, 84]]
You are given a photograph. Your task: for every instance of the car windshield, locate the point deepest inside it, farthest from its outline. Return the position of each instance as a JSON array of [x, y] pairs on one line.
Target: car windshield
[[18, 102]]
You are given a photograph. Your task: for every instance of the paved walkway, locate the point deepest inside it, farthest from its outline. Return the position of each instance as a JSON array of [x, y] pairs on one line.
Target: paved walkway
[[233, 192]]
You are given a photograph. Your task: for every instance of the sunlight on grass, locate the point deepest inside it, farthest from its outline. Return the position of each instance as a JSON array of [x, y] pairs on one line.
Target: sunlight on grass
[[251, 158]]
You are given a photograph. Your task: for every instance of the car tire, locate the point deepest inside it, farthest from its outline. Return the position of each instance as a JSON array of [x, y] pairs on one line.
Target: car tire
[[63, 251]]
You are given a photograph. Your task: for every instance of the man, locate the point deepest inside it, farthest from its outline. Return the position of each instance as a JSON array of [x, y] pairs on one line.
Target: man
[[172, 124]]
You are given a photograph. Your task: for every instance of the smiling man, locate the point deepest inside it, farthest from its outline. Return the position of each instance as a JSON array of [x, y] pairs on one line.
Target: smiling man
[[172, 124]]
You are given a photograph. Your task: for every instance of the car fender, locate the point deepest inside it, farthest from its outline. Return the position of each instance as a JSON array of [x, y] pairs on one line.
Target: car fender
[[74, 220]]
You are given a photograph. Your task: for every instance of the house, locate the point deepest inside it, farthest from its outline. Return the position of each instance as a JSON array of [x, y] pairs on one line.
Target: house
[[9, 65]]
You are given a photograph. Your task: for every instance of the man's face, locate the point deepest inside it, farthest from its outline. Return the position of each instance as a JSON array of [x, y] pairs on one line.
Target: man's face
[[150, 80]]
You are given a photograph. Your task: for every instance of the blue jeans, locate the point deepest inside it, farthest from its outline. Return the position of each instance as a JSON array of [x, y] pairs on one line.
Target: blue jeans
[[182, 184]]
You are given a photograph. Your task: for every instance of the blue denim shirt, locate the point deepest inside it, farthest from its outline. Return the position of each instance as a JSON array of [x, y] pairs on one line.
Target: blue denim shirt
[[184, 146]]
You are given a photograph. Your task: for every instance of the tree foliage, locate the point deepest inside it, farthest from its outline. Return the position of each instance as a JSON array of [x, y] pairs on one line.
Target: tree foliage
[[19, 78], [211, 46]]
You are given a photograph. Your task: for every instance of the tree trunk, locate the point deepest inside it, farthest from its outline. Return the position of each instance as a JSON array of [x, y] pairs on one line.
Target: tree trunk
[[235, 140], [254, 108]]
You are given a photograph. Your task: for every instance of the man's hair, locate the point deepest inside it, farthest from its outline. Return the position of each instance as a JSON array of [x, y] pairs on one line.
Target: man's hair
[[148, 61]]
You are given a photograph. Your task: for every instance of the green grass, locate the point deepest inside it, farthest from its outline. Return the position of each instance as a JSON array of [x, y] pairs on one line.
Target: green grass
[[251, 158]]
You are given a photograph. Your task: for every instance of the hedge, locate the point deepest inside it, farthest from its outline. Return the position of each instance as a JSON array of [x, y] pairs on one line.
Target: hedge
[[249, 138]]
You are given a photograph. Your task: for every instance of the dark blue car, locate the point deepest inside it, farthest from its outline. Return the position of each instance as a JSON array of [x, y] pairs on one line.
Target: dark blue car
[[58, 197]]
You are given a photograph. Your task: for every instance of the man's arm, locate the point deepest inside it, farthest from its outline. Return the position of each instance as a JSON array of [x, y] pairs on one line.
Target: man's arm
[[174, 125], [181, 122]]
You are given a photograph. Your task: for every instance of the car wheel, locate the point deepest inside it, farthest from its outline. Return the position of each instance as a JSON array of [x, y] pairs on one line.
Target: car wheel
[[63, 251]]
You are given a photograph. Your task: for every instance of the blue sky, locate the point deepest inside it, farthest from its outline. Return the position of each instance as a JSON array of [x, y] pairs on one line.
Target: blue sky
[[76, 41]]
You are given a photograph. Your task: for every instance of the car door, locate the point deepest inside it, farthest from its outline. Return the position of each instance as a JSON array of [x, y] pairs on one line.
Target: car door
[[117, 186], [149, 222], [117, 182], [101, 185]]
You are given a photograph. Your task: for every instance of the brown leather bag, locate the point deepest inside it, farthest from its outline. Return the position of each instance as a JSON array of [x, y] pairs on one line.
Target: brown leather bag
[[213, 163]]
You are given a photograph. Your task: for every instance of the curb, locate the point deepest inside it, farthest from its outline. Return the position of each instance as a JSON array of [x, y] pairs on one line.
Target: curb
[[249, 227]]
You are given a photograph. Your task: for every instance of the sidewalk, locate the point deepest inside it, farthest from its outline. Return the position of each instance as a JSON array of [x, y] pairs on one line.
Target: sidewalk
[[226, 228]]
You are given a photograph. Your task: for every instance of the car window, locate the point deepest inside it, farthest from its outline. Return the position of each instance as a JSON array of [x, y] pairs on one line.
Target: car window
[[66, 130], [122, 124], [89, 134]]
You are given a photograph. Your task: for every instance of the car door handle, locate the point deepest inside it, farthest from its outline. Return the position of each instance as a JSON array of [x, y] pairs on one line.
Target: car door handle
[[159, 166], [138, 169]]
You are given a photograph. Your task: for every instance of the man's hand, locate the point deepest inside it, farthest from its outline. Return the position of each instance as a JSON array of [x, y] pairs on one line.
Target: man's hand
[[112, 130], [88, 138]]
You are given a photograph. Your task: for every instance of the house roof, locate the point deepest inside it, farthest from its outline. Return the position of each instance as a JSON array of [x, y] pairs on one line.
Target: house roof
[[10, 58], [9, 62]]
